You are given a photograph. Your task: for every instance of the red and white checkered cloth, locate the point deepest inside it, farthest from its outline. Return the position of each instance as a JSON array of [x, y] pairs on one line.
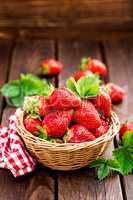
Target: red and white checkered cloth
[[13, 155]]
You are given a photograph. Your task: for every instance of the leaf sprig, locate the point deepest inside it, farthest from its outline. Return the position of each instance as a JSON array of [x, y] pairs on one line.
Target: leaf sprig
[[85, 87], [27, 85], [121, 161]]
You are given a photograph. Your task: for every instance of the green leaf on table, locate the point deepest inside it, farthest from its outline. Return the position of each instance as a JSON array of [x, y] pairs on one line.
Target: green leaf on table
[[33, 85], [28, 85], [88, 86], [17, 101], [11, 89], [104, 166], [124, 156], [124, 153]]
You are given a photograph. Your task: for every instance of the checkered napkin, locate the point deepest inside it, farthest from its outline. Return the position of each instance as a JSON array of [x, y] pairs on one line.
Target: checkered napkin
[[13, 155]]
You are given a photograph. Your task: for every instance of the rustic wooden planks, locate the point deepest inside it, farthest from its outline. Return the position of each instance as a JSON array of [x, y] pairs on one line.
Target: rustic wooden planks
[[5, 54], [40, 184], [40, 14], [120, 59], [82, 184]]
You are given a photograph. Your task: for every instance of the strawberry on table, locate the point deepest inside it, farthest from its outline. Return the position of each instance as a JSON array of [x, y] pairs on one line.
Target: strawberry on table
[[127, 126], [87, 115], [78, 133], [116, 92], [63, 98], [104, 104], [80, 74], [36, 104], [55, 124], [102, 129], [32, 122], [51, 66], [94, 65]]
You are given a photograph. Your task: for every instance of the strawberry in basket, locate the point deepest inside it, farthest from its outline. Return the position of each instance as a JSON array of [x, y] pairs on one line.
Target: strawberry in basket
[[78, 133], [36, 104], [32, 122], [56, 123]]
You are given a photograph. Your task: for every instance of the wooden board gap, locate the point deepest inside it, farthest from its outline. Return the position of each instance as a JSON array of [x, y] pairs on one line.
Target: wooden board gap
[[123, 187], [104, 59]]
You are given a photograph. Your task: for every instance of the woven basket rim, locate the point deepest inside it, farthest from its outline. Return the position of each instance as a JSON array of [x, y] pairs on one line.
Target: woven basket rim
[[111, 133]]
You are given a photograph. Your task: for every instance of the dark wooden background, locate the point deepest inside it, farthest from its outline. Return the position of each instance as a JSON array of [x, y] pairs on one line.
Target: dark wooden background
[[67, 18]]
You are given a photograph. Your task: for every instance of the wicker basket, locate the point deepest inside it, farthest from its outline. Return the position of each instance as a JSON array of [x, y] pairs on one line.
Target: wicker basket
[[67, 156]]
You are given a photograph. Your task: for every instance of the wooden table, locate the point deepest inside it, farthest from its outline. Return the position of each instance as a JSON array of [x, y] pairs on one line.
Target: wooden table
[[24, 55]]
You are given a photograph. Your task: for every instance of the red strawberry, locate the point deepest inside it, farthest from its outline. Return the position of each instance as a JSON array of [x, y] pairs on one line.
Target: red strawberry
[[80, 74], [51, 66], [104, 104], [102, 129], [63, 98], [78, 133], [87, 115], [31, 122], [116, 93], [36, 104], [56, 123], [94, 65], [128, 126]]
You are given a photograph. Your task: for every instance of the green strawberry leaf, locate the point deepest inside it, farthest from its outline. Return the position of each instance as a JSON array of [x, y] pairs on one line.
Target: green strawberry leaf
[[84, 62], [124, 156], [17, 101], [42, 133], [85, 87], [71, 84], [11, 89], [127, 139], [88, 86], [103, 172], [104, 166], [39, 87], [28, 85]]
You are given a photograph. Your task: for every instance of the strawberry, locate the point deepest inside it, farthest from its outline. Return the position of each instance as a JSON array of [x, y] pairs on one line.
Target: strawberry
[[116, 92], [87, 115], [63, 98], [80, 74], [128, 126], [56, 123], [104, 104], [102, 129], [31, 123], [36, 104], [78, 133], [94, 65], [51, 66]]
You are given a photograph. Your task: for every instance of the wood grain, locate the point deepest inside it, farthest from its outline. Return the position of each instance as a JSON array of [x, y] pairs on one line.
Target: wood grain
[[120, 59], [39, 184], [5, 51], [33, 13], [82, 184]]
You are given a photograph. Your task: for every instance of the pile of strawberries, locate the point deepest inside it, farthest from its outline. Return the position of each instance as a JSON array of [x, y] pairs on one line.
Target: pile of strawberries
[[65, 117]]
